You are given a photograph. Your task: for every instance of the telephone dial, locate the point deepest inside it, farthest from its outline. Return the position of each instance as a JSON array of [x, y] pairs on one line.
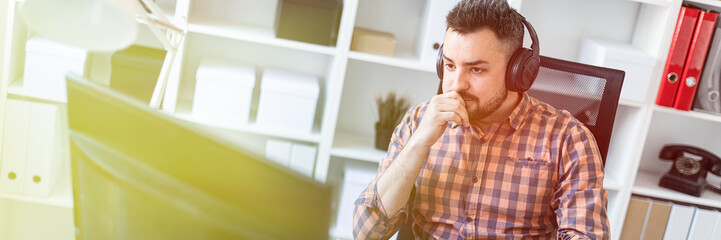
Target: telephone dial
[[688, 172]]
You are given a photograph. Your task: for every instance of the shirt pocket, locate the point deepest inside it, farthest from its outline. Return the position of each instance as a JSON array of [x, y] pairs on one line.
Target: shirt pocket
[[522, 187]]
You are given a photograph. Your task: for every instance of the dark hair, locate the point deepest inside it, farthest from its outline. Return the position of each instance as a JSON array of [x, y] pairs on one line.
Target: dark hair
[[496, 15]]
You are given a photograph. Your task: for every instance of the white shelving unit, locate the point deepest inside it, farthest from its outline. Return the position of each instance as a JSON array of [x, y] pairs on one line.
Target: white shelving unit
[[242, 30], [356, 147], [27, 217]]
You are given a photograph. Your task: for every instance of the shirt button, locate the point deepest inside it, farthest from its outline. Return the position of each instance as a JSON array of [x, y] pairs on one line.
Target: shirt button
[[475, 179], [469, 219]]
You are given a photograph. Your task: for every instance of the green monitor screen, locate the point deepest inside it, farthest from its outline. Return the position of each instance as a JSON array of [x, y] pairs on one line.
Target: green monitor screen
[[139, 173]]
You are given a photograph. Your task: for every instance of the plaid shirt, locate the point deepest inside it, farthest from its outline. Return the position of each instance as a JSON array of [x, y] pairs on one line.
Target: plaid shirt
[[537, 174]]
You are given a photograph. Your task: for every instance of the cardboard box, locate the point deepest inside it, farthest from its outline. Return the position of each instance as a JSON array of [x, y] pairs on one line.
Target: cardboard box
[[312, 21], [135, 71], [287, 101], [375, 42], [223, 92]]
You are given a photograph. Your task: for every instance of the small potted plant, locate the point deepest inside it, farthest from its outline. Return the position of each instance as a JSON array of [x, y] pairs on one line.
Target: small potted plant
[[391, 109]]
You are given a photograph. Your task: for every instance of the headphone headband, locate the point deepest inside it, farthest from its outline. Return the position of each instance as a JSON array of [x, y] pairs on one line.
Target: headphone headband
[[534, 37]]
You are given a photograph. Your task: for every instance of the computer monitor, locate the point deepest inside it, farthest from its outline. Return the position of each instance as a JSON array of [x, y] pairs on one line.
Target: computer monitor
[[139, 173]]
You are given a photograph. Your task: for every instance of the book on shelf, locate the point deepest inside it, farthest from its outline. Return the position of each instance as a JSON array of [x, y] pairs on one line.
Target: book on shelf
[[651, 219], [679, 222], [635, 217]]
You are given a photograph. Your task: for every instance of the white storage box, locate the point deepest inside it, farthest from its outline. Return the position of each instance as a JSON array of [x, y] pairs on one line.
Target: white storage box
[[287, 101], [46, 63], [637, 64], [355, 180], [298, 157], [223, 91], [278, 151], [302, 159]]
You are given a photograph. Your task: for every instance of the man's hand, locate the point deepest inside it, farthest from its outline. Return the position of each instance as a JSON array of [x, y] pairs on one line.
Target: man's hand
[[442, 109]]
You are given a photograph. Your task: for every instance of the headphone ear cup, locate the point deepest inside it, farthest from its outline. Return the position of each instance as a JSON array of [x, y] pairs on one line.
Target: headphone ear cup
[[530, 72], [522, 70]]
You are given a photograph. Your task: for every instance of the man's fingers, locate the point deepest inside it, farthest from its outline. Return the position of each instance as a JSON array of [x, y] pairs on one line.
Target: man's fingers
[[454, 95], [449, 116], [448, 95], [452, 105]]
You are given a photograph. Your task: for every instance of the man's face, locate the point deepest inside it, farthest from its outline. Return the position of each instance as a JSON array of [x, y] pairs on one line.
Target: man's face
[[475, 67]]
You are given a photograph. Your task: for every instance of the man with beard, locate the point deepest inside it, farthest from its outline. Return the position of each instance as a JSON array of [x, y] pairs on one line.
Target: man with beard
[[486, 160]]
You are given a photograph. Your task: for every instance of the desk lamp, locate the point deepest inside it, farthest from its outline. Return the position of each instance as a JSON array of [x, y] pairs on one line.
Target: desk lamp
[[106, 26]]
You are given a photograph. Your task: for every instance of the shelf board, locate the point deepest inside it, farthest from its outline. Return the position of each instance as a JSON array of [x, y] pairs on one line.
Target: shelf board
[[227, 29], [252, 128], [16, 89], [403, 59], [629, 103], [647, 184], [662, 3], [710, 3], [64, 200], [689, 114], [356, 147]]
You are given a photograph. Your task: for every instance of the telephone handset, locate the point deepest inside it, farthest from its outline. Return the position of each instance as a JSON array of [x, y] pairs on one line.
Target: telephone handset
[[688, 173]]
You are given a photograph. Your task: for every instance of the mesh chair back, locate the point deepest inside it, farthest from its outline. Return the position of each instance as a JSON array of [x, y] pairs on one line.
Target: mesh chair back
[[588, 92]]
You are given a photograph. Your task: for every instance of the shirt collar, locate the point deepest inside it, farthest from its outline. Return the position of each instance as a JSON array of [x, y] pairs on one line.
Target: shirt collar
[[520, 113]]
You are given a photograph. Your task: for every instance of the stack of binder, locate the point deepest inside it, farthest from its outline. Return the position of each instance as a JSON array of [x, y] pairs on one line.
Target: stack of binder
[[649, 219], [687, 60], [33, 149]]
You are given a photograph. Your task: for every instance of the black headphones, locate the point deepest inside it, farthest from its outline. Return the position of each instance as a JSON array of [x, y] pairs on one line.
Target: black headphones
[[522, 67]]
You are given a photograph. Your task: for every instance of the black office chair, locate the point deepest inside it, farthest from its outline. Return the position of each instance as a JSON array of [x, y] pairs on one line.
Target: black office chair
[[589, 93]]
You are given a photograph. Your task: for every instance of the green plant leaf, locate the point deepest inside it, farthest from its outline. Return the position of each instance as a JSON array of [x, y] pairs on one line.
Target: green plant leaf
[[391, 108]]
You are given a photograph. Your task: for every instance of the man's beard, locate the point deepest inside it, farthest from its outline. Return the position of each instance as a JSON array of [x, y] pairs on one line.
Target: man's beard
[[484, 110]]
